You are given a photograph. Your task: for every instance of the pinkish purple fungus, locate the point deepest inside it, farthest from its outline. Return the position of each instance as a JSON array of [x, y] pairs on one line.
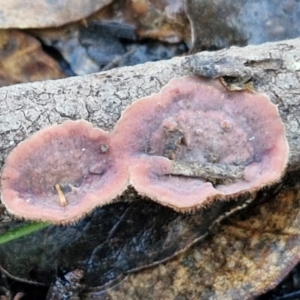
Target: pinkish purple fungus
[[62, 172], [195, 142]]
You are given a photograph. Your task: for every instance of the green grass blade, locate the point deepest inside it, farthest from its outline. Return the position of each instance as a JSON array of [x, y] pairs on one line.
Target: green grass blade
[[22, 231]]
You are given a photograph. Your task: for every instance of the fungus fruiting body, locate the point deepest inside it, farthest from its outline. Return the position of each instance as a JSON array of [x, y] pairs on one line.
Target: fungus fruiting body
[[184, 147], [196, 141], [62, 172]]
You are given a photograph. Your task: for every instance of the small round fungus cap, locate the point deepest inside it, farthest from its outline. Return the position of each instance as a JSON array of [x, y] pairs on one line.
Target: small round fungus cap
[[195, 142], [62, 172]]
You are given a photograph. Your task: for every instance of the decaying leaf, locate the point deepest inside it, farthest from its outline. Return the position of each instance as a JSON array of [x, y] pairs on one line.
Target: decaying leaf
[[162, 20], [39, 14], [251, 253], [112, 241], [220, 24], [23, 60]]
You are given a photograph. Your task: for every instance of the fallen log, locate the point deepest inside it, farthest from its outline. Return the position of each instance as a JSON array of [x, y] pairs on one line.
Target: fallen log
[[100, 98]]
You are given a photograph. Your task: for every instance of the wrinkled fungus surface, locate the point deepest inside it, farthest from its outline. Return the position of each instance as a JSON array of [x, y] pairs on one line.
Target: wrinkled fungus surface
[[62, 172], [195, 141]]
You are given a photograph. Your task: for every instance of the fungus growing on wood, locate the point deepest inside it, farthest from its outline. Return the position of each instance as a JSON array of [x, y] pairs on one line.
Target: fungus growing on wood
[[62, 172], [195, 141]]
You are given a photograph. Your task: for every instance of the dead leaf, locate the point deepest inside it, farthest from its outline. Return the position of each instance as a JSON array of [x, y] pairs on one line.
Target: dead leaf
[[43, 13], [251, 254], [220, 24], [23, 60], [162, 20]]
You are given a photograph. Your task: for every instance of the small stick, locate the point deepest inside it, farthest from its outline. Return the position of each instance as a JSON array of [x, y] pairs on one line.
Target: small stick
[[62, 198], [224, 173]]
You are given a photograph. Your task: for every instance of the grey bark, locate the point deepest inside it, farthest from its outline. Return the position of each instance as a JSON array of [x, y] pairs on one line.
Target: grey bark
[[100, 98]]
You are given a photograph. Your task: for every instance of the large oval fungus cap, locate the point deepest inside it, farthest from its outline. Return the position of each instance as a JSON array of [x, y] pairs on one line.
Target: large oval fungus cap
[[195, 142], [62, 172]]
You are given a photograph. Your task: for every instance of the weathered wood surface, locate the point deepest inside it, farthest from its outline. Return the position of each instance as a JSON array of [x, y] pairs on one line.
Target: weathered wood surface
[[100, 98]]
